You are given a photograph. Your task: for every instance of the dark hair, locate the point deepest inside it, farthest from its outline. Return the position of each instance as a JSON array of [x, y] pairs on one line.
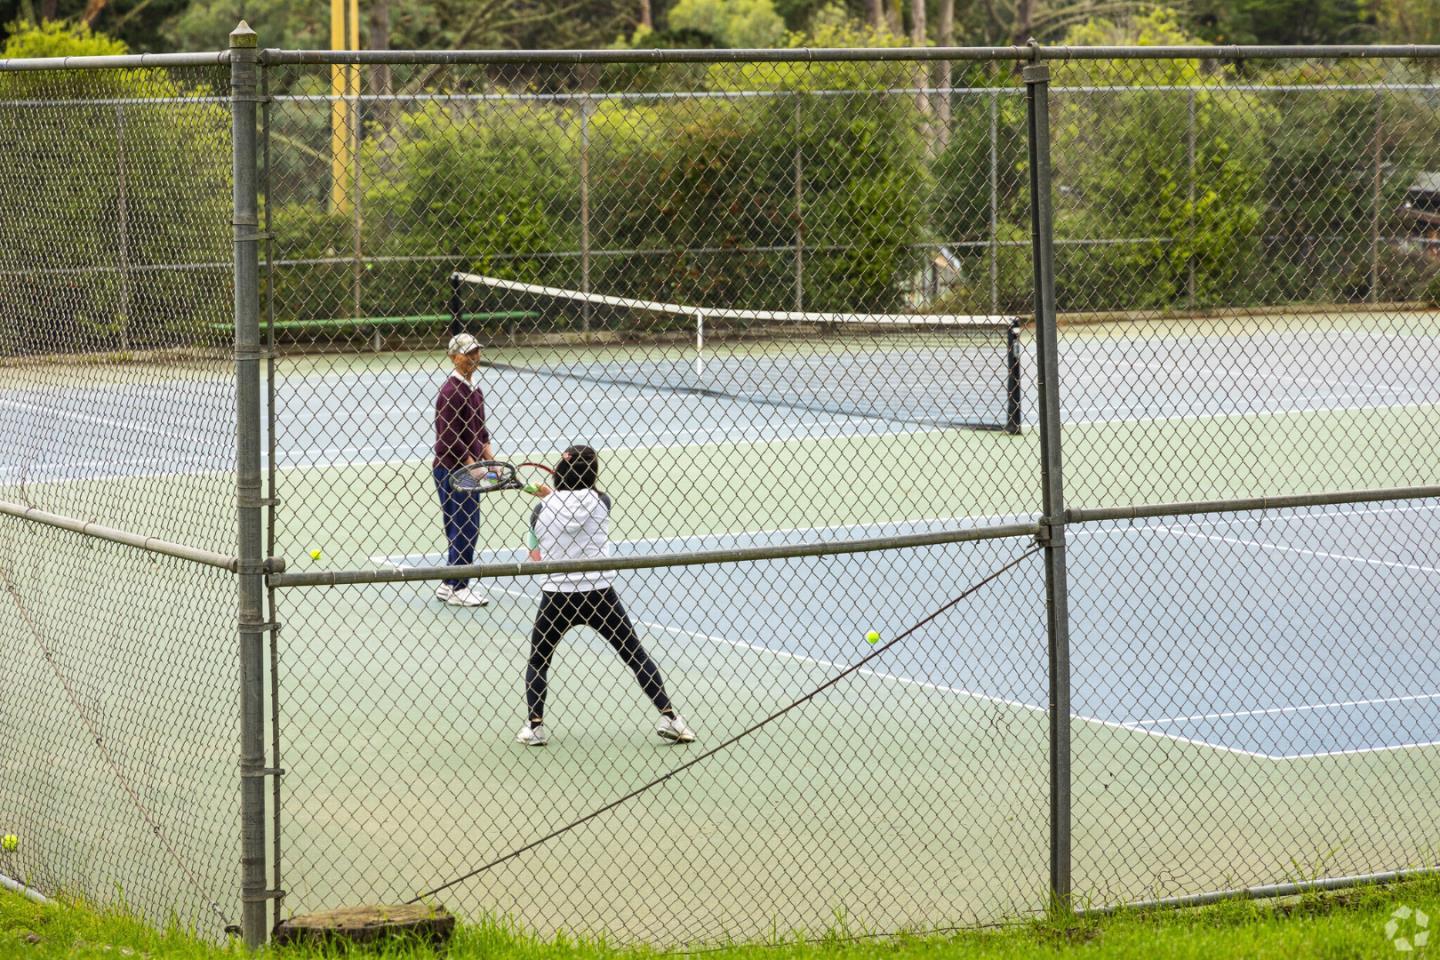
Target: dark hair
[[578, 469]]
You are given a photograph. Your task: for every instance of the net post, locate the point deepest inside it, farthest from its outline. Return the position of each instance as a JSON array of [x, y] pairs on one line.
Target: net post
[[457, 315], [1012, 378], [1052, 526], [250, 518]]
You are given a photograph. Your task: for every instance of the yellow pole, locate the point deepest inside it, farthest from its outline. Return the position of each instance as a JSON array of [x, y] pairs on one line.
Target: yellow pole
[[352, 83], [340, 135]]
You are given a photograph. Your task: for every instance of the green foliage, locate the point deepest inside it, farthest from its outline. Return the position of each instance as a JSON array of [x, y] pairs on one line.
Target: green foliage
[[205, 24], [1287, 21], [112, 177], [58, 39], [1151, 225], [723, 190], [733, 23]]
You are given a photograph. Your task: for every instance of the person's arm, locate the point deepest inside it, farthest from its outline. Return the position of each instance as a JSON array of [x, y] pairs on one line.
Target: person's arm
[[482, 448], [533, 538]]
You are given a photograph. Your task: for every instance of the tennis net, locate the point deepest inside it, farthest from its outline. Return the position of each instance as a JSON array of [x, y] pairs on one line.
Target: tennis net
[[928, 369]]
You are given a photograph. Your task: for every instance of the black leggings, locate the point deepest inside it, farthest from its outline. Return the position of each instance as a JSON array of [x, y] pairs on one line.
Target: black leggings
[[601, 611]]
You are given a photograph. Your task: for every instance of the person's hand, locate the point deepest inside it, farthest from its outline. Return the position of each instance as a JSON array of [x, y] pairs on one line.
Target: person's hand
[[535, 554]]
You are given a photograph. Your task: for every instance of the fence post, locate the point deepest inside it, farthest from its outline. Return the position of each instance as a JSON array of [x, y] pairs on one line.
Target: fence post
[[1190, 176], [123, 213], [799, 211], [1052, 537], [249, 495], [585, 202], [1376, 149], [995, 201]]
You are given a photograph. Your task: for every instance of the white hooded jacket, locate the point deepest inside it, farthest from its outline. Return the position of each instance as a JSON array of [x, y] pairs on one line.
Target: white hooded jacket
[[573, 525]]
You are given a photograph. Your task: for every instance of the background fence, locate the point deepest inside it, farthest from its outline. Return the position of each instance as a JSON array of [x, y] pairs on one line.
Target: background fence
[[776, 290]]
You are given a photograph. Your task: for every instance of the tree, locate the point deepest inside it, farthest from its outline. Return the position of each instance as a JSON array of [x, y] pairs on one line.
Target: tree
[[1172, 224], [101, 180], [1285, 21], [732, 23]]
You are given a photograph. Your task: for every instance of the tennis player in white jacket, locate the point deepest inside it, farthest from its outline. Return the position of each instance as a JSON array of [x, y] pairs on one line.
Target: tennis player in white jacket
[[572, 522]]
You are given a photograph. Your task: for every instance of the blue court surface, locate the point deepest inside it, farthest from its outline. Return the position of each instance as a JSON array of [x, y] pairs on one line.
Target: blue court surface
[[1286, 635]]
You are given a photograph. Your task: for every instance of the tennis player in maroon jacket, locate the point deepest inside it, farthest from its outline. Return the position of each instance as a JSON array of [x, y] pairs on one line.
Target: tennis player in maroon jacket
[[461, 437]]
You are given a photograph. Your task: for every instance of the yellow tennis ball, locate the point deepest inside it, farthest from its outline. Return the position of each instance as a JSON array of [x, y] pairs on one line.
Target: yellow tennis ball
[[314, 554], [872, 637], [9, 842]]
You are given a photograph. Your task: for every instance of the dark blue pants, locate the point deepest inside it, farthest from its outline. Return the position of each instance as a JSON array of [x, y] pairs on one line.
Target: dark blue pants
[[461, 512]]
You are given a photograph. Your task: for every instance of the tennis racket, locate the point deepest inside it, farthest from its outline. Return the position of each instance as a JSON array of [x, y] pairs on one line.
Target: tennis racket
[[490, 476]]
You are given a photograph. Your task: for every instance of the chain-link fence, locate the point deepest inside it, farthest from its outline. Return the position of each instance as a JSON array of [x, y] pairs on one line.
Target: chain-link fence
[[832, 321]]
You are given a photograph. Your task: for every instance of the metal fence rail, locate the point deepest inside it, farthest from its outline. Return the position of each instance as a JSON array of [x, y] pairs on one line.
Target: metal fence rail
[[917, 657]]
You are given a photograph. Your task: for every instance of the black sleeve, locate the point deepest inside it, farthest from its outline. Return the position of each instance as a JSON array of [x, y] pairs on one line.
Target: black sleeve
[[604, 498], [535, 516]]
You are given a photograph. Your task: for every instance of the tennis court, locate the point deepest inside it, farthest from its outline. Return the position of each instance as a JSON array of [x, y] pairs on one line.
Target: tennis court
[[1246, 688]]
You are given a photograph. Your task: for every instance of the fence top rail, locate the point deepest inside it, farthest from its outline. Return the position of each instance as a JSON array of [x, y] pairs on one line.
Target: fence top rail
[[127, 62], [1033, 53]]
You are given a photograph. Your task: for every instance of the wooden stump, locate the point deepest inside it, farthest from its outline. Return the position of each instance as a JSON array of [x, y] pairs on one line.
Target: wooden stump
[[377, 925]]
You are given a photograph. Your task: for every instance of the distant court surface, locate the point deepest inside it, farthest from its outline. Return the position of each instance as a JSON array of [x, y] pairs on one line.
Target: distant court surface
[[1112, 374]]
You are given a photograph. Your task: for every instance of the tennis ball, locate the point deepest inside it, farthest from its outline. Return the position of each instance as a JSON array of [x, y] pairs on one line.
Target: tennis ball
[[314, 554], [9, 842], [872, 637]]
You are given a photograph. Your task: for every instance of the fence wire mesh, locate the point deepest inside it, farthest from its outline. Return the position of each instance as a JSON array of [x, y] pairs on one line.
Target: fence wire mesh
[[116, 388], [405, 773], [781, 300], [118, 767]]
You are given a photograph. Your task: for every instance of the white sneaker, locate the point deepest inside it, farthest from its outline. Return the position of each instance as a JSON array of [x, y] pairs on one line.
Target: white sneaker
[[533, 736], [444, 592], [674, 729], [467, 597]]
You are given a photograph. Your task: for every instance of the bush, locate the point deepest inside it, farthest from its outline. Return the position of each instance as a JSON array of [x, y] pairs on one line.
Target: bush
[[711, 186], [1138, 216], [101, 190]]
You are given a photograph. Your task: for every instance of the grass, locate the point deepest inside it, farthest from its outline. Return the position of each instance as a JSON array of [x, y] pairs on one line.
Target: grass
[[1348, 923]]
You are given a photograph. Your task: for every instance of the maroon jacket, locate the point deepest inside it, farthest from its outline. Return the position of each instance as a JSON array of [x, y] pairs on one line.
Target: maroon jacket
[[460, 432]]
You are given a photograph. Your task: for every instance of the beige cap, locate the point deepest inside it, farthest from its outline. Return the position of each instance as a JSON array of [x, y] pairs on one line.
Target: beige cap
[[462, 343]]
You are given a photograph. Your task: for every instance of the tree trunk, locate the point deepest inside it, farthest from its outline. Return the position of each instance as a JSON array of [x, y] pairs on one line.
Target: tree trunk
[[1022, 22], [380, 77], [875, 13], [893, 18], [647, 18], [945, 36], [922, 69], [49, 10]]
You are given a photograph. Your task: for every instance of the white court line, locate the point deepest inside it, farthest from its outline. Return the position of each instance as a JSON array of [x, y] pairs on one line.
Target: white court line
[[1270, 711], [92, 420], [412, 559], [1247, 414], [404, 561], [1321, 554]]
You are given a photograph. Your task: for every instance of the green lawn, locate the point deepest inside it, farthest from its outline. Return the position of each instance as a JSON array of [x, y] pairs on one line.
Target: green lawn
[[1348, 923]]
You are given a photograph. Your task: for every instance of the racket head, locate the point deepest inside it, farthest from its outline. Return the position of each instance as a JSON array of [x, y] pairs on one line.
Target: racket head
[[483, 476], [530, 473]]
